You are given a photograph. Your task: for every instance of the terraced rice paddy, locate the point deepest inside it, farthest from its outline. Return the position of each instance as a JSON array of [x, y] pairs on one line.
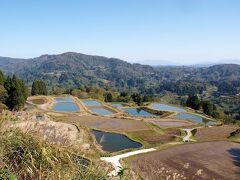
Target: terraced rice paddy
[[153, 138], [113, 142], [208, 160], [91, 103], [215, 133], [138, 112], [38, 101], [101, 111], [117, 105], [170, 122], [195, 118], [105, 123], [164, 107], [65, 104]]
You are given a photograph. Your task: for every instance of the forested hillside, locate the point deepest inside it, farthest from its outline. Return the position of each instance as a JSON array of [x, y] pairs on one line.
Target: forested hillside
[[71, 70]]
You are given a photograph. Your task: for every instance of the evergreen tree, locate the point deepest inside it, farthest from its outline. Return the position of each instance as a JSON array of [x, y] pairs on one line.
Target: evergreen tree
[[17, 93], [108, 97], [193, 102], [210, 109], [148, 98], [39, 88], [123, 97], [35, 88], [2, 78], [23, 89], [137, 98]]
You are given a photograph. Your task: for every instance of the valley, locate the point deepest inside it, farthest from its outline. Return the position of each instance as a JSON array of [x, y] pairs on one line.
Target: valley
[[155, 126], [120, 90], [69, 122]]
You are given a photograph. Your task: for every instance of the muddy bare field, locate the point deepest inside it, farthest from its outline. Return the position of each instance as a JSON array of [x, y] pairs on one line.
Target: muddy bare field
[[171, 122], [154, 138], [208, 160], [104, 123], [215, 133]]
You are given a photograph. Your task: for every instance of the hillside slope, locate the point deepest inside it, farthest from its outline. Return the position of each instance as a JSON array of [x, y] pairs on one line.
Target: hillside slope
[[74, 69]]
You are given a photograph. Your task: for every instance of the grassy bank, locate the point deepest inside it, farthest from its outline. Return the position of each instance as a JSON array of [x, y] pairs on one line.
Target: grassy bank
[[27, 156]]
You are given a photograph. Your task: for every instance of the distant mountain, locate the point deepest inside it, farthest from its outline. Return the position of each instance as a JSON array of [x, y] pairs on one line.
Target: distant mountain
[[71, 69], [10, 61]]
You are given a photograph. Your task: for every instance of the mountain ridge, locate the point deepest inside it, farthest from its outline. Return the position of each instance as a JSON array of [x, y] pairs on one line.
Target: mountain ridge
[[72, 69]]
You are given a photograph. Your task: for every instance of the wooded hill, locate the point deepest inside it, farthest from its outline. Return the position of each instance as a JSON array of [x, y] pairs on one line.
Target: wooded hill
[[71, 70]]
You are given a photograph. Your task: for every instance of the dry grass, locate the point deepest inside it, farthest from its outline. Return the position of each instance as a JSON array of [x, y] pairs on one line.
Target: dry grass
[[53, 132], [208, 160], [28, 157]]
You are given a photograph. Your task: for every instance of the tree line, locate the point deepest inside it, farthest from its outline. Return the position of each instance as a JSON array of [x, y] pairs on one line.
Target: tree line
[[39, 88], [14, 92], [207, 107]]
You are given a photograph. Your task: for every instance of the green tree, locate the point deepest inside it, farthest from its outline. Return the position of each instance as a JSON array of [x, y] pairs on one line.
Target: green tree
[[23, 89], [193, 102], [148, 98], [137, 98], [39, 88], [17, 93], [123, 97], [2, 78], [3, 94], [210, 109], [108, 97]]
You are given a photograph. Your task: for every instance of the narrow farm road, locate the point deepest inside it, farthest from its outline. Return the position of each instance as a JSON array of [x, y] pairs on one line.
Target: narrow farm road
[[115, 160], [189, 134]]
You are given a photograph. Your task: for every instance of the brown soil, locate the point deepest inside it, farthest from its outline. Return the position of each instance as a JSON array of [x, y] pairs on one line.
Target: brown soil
[[171, 122], [104, 123], [208, 160], [38, 100], [214, 133], [154, 138]]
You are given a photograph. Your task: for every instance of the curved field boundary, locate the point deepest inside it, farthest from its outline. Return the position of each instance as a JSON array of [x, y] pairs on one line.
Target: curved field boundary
[[115, 160]]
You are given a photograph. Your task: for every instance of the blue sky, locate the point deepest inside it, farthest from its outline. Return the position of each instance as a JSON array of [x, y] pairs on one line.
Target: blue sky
[[145, 31]]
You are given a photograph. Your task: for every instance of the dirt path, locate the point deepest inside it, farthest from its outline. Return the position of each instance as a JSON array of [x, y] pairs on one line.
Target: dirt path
[[115, 160], [189, 134]]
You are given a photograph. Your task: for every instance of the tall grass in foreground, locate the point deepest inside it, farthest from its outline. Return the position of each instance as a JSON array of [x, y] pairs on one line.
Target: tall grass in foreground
[[28, 157]]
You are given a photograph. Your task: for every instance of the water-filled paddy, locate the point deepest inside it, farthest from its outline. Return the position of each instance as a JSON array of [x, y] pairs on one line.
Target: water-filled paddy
[[113, 142], [65, 104], [118, 105], [164, 107], [64, 99], [195, 118], [101, 111], [138, 112], [91, 103]]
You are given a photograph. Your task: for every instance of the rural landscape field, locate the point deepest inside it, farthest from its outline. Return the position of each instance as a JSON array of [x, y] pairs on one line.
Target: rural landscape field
[[119, 90]]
